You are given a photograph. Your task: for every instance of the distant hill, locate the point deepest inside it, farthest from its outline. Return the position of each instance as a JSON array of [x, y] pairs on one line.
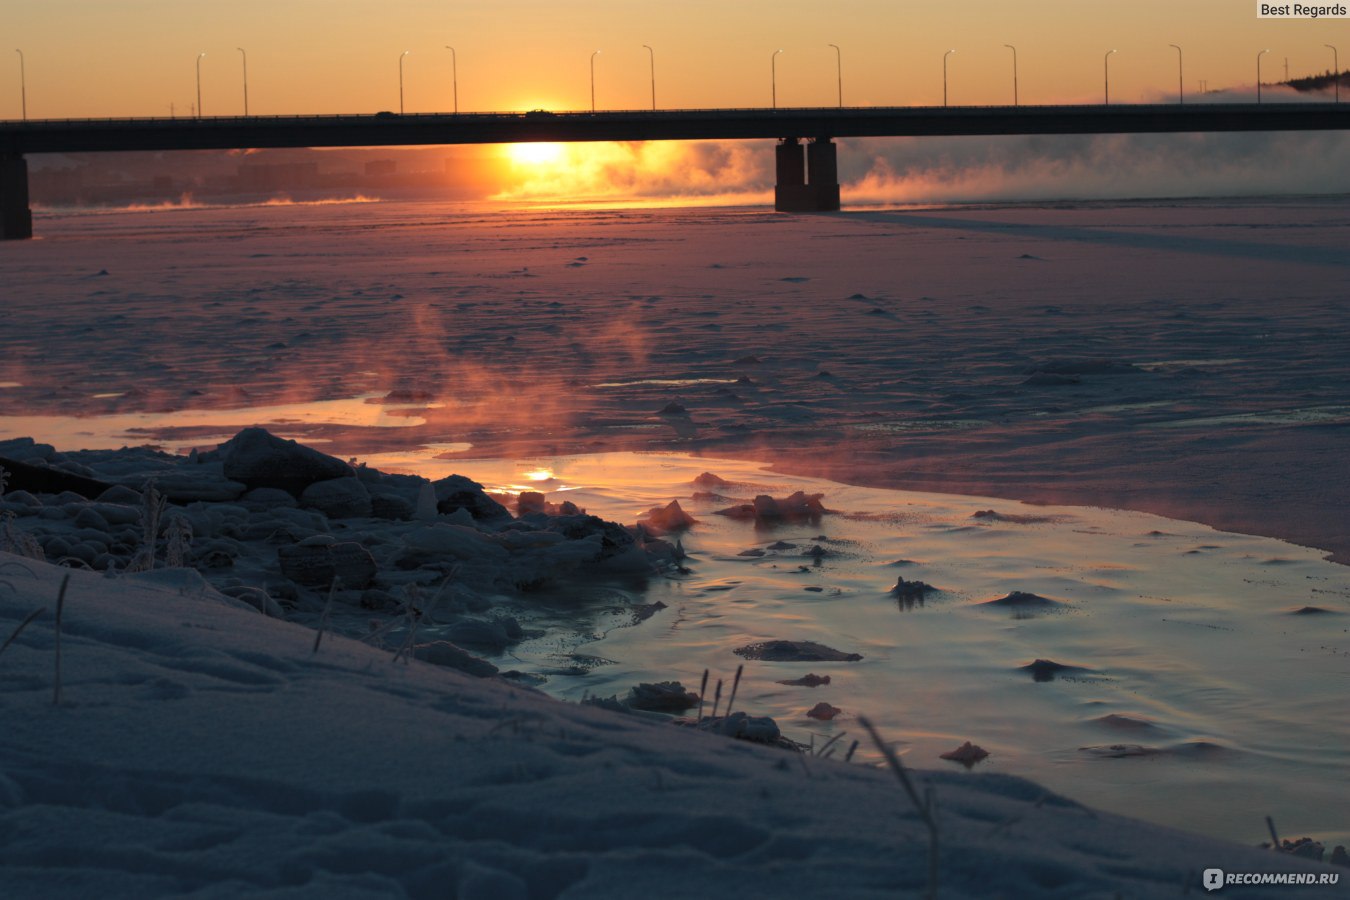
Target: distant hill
[[1319, 82]]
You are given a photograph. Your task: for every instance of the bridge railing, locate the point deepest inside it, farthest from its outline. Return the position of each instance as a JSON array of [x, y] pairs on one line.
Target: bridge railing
[[637, 114]]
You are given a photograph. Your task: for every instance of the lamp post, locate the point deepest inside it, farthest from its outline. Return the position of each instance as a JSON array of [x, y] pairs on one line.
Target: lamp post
[[454, 75], [1336, 66], [839, 71], [23, 84], [944, 75], [1258, 73], [245, 56], [1181, 89], [593, 56], [400, 80], [652, 55], [199, 83], [1014, 50], [773, 76], [1107, 67]]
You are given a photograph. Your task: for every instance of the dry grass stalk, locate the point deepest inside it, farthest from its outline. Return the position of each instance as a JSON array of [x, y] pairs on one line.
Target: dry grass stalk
[[179, 545], [22, 625], [415, 618], [927, 807], [327, 611], [736, 683], [825, 751], [20, 543], [60, 607], [152, 509]]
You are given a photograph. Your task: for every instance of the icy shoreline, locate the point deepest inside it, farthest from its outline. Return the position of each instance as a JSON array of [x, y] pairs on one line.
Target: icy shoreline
[[202, 750], [128, 660], [295, 532]]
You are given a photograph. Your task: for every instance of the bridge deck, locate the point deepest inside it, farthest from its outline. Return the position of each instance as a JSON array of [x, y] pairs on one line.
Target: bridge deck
[[390, 129]]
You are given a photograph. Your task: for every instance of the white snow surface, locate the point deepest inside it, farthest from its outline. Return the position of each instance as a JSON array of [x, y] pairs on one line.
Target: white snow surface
[[200, 749]]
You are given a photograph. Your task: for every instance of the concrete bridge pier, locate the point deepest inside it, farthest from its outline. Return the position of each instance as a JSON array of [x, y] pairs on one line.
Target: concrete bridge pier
[[16, 220], [806, 182]]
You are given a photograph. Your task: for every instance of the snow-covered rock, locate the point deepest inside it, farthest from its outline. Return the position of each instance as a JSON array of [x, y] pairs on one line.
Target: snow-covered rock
[[338, 498], [456, 492], [442, 540], [257, 458], [447, 655], [319, 565], [267, 498]]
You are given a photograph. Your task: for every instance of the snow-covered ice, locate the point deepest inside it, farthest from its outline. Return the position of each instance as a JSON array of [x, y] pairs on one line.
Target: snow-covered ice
[[1183, 359]]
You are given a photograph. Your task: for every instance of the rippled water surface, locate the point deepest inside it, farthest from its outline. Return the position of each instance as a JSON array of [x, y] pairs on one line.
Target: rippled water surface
[[1203, 695]]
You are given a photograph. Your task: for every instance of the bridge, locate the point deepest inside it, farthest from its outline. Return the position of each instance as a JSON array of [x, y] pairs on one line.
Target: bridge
[[807, 173]]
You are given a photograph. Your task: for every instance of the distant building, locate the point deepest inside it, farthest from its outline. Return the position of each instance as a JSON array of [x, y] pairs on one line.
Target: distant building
[[381, 167], [265, 178], [56, 185]]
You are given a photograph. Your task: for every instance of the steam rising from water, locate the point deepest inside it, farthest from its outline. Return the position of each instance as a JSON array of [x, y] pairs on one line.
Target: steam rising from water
[[958, 169], [188, 201], [724, 172], [1102, 166]]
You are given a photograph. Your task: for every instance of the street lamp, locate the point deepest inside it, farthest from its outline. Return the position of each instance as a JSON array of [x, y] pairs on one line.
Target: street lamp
[[454, 75], [773, 75], [1107, 66], [1181, 90], [593, 56], [23, 84], [400, 80], [944, 75], [839, 71], [1014, 50], [245, 56], [652, 54], [1258, 73], [1336, 66], [199, 83]]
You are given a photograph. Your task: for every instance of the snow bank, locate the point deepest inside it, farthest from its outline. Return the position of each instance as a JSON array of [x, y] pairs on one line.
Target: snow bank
[[201, 749]]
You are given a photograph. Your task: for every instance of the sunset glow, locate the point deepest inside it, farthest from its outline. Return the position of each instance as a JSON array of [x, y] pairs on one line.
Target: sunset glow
[[532, 155], [93, 58]]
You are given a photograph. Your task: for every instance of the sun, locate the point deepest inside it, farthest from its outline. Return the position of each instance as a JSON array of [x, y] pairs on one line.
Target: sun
[[537, 154]]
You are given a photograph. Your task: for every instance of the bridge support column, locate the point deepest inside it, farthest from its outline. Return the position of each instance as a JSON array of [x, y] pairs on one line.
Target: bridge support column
[[790, 193], [822, 174], [16, 220], [809, 184]]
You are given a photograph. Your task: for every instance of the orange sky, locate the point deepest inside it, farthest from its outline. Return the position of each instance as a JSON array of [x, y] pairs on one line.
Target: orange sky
[[138, 57]]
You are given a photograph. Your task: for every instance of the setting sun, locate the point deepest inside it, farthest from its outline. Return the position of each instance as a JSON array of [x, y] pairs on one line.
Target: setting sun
[[537, 154]]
